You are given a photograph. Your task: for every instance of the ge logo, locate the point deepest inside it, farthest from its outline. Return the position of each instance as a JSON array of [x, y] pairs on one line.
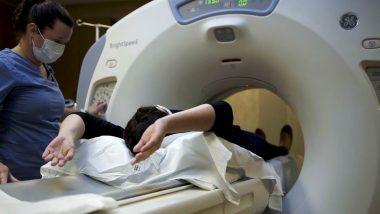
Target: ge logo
[[348, 21]]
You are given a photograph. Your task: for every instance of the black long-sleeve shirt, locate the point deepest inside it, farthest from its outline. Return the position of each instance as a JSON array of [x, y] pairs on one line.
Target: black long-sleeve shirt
[[223, 127], [95, 127]]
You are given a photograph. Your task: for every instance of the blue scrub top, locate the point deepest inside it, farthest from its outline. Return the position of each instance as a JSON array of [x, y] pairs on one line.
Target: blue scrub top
[[30, 109]]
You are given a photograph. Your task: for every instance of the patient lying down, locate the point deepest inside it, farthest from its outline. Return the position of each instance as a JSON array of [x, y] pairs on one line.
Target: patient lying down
[[190, 157], [145, 131]]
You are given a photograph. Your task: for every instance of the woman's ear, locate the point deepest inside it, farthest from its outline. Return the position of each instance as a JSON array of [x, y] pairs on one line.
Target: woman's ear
[[31, 29]]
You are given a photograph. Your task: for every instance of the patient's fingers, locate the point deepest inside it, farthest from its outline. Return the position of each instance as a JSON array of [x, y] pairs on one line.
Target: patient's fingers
[[50, 148], [61, 162], [3, 178], [145, 138], [150, 141], [139, 157], [46, 153], [138, 146], [48, 157], [153, 143], [12, 178], [151, 147], [145, 154], [4, 170], [70, 154], [54, 161], [144, 150], [59, 151], [60, 156]]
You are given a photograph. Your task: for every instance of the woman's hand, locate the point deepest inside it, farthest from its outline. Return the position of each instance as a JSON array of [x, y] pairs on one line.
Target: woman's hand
[[59, 151], [150, 141], [5, 175]]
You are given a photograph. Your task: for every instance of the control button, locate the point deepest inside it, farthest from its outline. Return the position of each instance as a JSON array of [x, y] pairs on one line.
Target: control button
[[373, 43], [111, 63], [224, 34]]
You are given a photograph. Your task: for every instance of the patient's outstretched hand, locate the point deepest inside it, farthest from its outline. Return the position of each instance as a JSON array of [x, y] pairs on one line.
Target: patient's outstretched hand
[[150, 141], [59, 151]]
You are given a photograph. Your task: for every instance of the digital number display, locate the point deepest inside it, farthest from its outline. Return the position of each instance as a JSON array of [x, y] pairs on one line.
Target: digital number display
[[242, 3], [203, 8], [211, 2]]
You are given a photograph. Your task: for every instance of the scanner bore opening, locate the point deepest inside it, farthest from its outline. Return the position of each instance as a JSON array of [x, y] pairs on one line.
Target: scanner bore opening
[[263, 112]]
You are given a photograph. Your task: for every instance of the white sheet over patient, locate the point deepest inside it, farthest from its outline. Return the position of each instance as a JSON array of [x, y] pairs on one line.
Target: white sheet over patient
[[200, 158]]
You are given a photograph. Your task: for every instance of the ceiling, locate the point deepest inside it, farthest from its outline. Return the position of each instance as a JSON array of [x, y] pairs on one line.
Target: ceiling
[[71, 2], [14, 3]]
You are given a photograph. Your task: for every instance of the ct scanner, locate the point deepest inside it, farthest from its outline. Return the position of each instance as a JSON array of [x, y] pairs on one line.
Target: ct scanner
[[322, 58]]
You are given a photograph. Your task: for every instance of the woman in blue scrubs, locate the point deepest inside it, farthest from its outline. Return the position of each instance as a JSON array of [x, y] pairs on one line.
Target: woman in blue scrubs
[[31, 103]]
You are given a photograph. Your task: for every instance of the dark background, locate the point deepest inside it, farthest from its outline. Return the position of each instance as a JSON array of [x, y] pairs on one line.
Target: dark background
[[67, 68]]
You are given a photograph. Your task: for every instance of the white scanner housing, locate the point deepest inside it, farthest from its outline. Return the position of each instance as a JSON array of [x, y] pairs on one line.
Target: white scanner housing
[[299, 50]]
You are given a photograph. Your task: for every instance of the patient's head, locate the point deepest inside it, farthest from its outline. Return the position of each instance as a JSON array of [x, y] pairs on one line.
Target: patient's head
[[140, 121]]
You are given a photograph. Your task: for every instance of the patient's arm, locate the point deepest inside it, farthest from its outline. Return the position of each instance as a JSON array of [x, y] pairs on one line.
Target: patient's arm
[[76, 126], [200, 118], [96, 109], [61, 149], [95, 127]]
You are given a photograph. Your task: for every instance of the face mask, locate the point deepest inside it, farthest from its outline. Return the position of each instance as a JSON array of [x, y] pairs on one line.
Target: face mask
[[49, 52]]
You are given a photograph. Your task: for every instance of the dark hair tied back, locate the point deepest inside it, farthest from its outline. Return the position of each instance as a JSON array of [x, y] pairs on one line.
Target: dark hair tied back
[[22, 12], [41, 12]]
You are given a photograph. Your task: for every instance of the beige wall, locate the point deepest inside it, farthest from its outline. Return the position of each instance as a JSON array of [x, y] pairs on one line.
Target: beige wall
[[259, 108]]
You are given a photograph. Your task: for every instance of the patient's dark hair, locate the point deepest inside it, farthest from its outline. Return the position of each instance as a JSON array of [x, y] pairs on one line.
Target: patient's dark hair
[[141, 120]]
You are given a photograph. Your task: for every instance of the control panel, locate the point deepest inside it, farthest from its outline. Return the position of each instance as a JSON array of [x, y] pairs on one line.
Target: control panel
[[103, 92], [188, 11]]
